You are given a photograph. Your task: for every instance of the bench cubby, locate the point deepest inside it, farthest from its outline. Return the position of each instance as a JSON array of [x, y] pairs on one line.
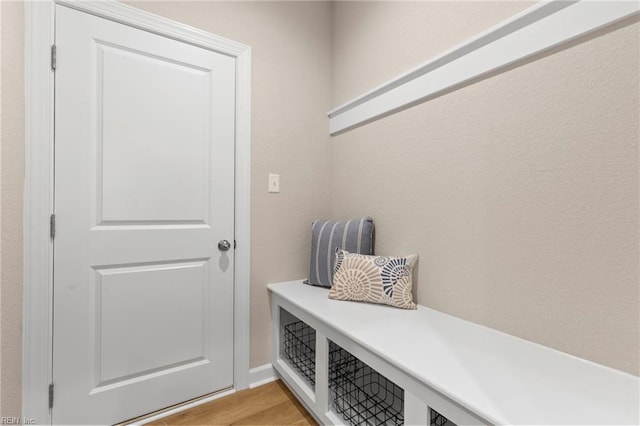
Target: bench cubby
[[298, 347], [361, 395], [362, 364]]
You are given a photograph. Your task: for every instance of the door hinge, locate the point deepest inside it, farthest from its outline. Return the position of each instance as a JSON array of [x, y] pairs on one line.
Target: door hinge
[[53, 57], [50, 395], [52, 226], [234, 244]]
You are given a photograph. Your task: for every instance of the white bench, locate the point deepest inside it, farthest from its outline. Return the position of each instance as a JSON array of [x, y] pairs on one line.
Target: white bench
[[469, 373]]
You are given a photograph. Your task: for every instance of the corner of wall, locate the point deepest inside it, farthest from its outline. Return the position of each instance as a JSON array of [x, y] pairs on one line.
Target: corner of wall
[[519, 190], [11, 187]]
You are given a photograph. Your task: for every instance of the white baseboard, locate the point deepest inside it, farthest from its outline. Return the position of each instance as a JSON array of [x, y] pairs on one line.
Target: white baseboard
[[261, 375]]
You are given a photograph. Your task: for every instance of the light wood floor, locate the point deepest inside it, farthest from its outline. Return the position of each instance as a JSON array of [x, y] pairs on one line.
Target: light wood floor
[[270, 404]]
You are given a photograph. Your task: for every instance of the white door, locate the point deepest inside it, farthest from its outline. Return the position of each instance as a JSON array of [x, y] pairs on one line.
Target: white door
[[144, 191]]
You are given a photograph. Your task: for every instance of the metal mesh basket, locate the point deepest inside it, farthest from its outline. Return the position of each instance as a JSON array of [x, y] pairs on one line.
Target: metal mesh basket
[[437, 419], [299, 349], [358, 393], [361, 395]]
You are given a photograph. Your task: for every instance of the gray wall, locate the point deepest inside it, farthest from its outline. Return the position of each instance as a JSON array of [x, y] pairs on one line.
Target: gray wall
[[12, 178], [519, 192]]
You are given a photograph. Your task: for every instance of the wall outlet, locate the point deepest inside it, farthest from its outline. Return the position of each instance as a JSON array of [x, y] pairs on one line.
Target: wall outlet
[[274, 183]]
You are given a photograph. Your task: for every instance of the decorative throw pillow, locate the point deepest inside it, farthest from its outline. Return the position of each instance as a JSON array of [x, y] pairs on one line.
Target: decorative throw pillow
[[375, 279], [355, 235]]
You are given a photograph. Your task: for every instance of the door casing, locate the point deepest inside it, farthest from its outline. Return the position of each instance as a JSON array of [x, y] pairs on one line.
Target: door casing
[[39, 179]]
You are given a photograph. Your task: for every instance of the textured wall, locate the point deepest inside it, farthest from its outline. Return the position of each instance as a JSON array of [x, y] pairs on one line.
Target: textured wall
[[519, 193], [291, 53], [375, 41], [11, 177]]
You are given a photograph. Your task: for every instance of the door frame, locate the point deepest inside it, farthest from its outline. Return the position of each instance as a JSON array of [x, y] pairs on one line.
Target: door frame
[[37, 354]]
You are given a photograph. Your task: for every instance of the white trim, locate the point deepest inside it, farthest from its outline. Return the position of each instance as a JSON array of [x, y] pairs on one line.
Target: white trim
[[415, 409], [539, 28], [38, 253], [38, 205], [137, 18], [262, 375], [182, 408], [242, 221]]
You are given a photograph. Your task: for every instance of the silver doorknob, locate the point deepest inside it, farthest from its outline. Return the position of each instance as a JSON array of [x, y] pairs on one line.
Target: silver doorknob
[[224, 245]]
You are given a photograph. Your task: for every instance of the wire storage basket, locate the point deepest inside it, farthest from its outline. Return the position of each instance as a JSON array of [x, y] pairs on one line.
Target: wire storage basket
[[437, 419], [361, 395], [299, 349]]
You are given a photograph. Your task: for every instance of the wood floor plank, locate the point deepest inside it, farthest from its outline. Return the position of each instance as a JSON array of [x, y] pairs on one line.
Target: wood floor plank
[[281, 414], [270, 404], [232, 408]]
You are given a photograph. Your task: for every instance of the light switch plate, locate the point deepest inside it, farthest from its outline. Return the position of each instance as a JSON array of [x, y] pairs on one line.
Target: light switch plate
[[274, 183]]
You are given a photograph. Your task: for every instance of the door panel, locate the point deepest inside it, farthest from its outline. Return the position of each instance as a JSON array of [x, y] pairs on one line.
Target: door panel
[[144, 154], [172, 331], [140, 126]]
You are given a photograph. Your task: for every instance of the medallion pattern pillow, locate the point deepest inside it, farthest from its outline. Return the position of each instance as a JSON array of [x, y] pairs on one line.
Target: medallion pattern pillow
[[375, 279]]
